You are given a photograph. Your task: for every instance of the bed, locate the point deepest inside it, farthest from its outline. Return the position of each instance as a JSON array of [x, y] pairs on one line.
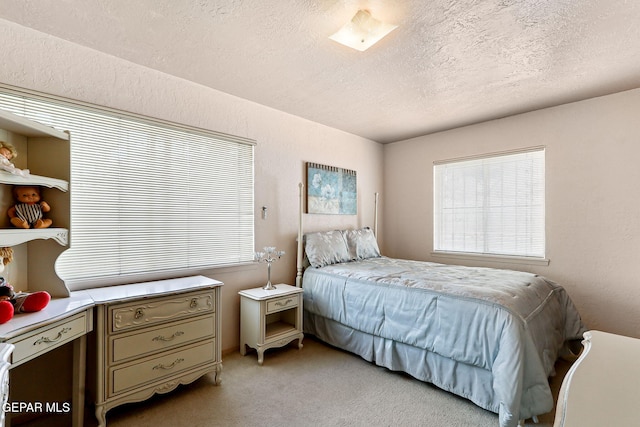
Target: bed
[[491, 336]]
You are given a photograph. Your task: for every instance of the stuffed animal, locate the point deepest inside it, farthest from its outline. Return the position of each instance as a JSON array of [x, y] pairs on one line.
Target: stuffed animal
[[29, 209], [21, 302]]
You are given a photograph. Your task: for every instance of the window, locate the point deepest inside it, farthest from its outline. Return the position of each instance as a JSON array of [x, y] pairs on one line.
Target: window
[[147, 196], [491, 205]]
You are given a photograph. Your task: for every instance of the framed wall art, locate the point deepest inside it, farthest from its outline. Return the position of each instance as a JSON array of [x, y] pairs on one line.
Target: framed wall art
[[331, 190]]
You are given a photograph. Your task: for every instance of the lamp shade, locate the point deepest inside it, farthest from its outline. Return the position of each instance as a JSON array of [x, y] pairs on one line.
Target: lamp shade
[[362, 32]]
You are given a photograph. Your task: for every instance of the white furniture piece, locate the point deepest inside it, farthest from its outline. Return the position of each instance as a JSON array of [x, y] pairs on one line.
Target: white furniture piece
[[601, 387], [64, 320], [270, 318], [5, 354], [152, 337], [44, 151]]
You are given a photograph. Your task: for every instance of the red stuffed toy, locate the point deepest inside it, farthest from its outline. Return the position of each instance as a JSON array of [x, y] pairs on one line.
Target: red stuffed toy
[[21, 302]]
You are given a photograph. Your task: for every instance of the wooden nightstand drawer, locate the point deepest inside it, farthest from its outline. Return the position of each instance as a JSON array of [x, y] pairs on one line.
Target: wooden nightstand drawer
[[46, 338], [283, 303], [155, 311], [154, 369], [163, 338]]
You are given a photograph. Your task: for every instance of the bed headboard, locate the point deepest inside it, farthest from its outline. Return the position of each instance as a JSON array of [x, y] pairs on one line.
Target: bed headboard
[[299, 259], [300, 250]]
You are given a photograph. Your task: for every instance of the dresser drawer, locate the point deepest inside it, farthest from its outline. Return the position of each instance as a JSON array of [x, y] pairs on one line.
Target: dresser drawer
[[161, 338], [283, 303], [157, 368], [51, 336], [149, 312]]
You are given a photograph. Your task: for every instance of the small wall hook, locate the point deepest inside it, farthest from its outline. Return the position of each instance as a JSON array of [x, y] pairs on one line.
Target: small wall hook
[[264, 212]]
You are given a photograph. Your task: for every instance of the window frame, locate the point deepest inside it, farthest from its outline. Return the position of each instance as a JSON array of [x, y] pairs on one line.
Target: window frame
[[477, 256]]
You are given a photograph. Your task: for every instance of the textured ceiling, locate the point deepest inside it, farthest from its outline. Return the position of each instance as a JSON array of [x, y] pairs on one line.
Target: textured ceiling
[[448, 64]]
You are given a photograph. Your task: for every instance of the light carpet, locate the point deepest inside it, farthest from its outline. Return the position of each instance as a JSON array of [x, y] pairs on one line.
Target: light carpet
[[315, 386]]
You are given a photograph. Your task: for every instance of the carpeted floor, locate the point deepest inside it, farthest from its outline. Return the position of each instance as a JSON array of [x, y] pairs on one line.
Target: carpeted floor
[[315, 386]]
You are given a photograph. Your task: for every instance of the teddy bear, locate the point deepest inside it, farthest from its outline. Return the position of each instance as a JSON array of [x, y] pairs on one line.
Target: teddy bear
[[21, 302], [29, 209]]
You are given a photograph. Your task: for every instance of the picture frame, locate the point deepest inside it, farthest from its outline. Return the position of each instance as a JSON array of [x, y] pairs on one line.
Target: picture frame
[[331, 190]]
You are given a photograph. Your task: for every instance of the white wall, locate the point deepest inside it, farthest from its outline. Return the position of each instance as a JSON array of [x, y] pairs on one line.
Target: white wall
[[592, 202], [47, 64]]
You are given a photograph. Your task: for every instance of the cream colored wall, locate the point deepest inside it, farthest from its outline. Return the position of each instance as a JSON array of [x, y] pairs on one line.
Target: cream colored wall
[[592, 208], [592, 203], [285, 142]]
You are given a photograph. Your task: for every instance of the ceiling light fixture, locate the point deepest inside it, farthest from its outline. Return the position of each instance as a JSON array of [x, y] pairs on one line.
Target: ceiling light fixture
[[362, 32]]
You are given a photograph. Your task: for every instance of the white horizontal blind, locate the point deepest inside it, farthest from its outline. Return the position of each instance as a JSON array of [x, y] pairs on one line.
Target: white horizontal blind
[[146, 196], [491, 205]]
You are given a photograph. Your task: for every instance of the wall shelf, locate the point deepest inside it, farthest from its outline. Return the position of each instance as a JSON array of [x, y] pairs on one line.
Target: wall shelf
[[23, 126], [43, 181], [13, 237], [45, 152]]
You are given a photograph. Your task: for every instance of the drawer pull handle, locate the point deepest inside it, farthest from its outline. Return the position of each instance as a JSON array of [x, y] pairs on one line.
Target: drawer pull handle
[[171, 338], [194, 303], [47, 340], [283, 304], [161, 366], [139, 313]]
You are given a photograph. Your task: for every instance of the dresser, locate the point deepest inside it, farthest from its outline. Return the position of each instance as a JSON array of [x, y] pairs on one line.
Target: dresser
[[601, 387], [151, 337]]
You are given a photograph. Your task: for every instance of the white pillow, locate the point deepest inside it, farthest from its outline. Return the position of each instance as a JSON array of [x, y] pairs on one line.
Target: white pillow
[[327, 247], [362, 244]]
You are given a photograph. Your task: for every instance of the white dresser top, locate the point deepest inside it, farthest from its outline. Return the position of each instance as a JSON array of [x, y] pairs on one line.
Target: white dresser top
[[601, 388], [57, 308], [121, 293]]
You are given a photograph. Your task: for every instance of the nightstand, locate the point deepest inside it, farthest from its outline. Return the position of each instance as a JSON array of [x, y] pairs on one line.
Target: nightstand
[[270, 318]]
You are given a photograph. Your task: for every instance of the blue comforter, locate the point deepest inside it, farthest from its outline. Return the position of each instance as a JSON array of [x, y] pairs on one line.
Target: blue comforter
[[512, 324]]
